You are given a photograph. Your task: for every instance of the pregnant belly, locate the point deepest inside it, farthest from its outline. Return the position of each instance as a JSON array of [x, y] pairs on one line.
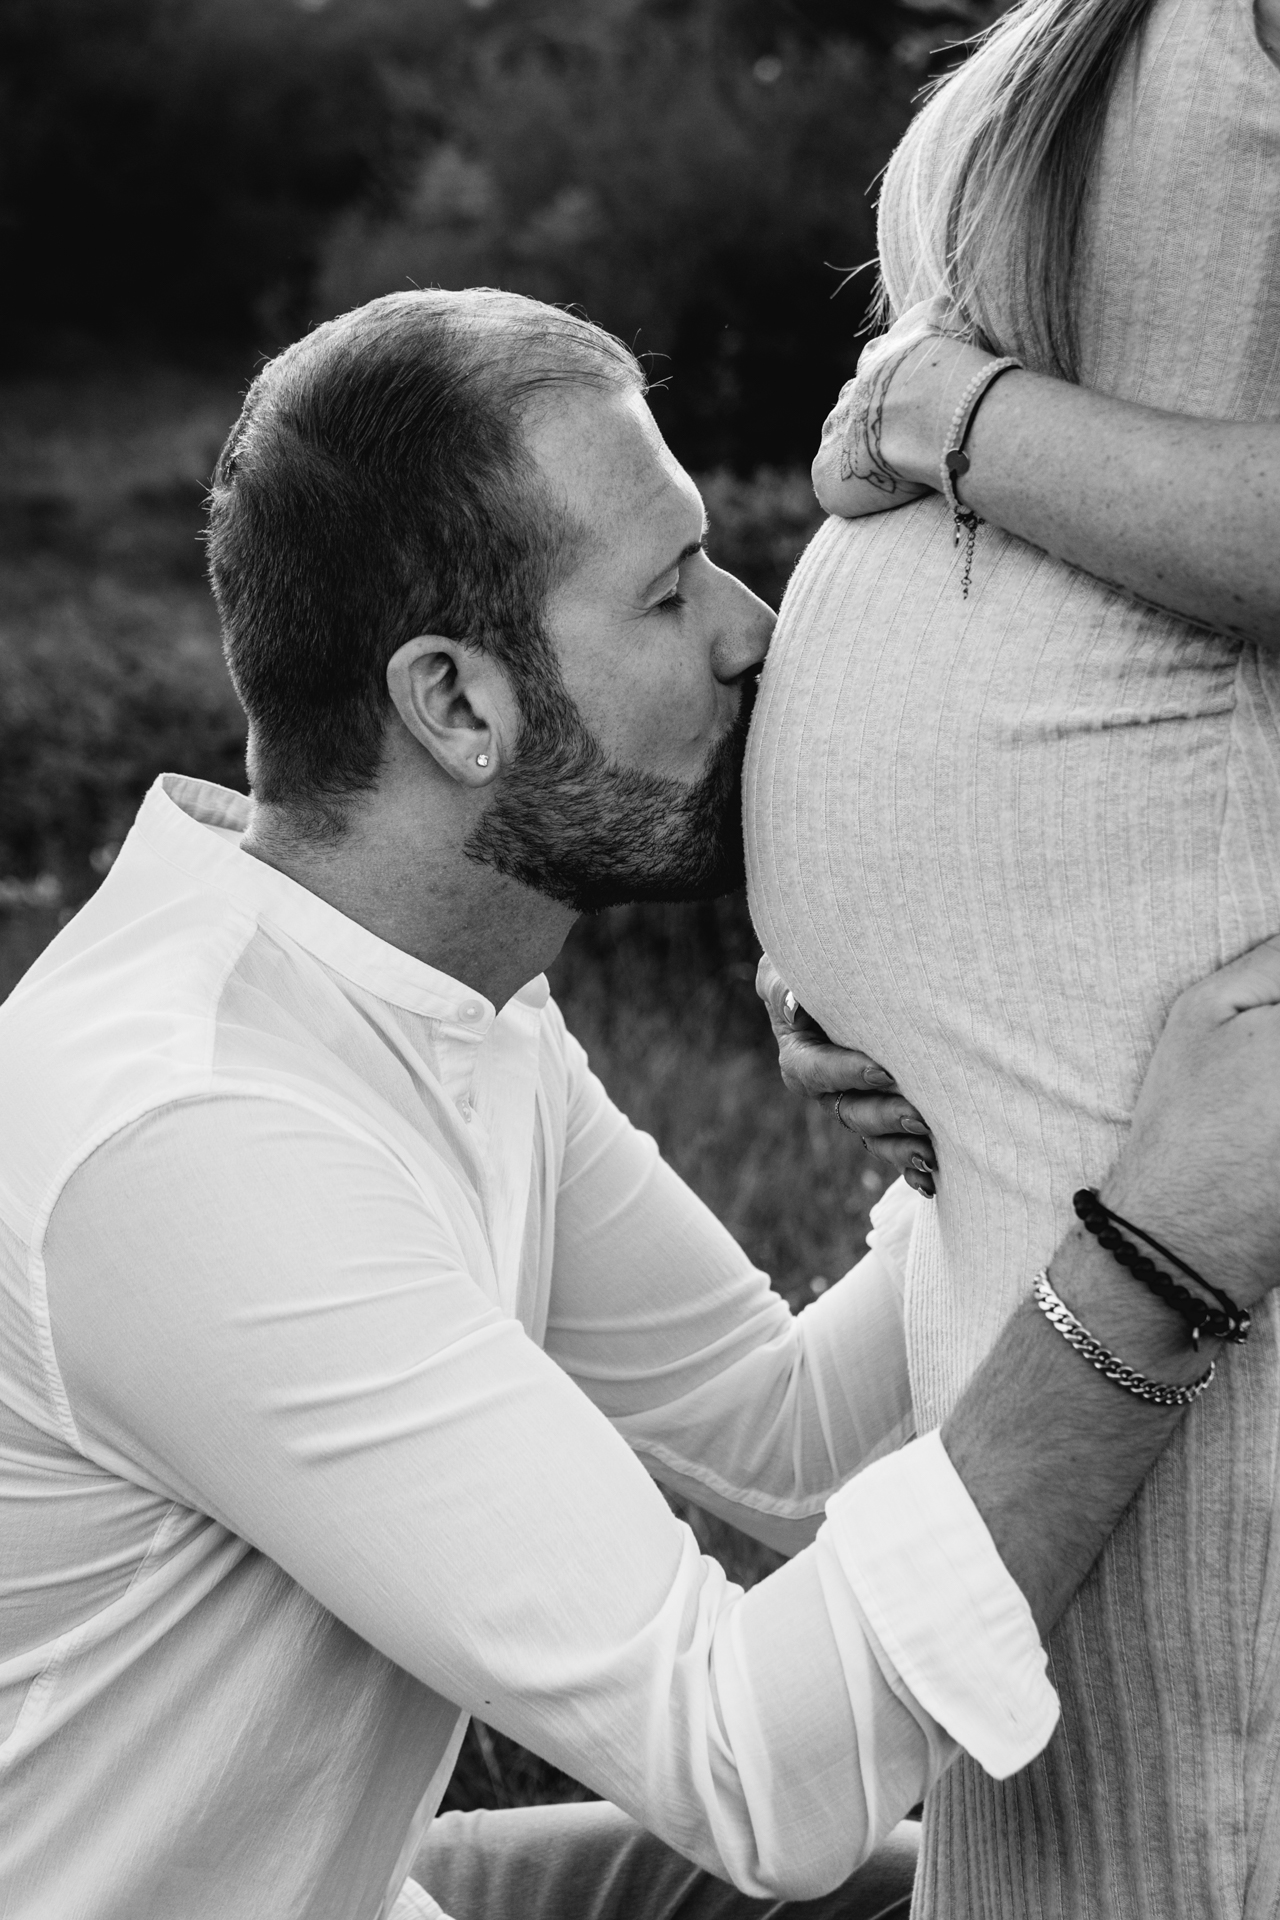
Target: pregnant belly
[[990, 840]]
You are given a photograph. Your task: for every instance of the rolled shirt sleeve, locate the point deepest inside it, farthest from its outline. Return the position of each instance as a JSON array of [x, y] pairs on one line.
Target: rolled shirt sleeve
[[917, 1554], [281, 1332]]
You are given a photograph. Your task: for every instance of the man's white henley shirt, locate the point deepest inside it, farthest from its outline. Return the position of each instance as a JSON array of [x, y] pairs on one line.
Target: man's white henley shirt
[[338, 1314]]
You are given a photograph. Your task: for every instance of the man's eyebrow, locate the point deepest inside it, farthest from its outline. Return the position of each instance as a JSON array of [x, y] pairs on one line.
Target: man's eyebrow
[[685, 553]]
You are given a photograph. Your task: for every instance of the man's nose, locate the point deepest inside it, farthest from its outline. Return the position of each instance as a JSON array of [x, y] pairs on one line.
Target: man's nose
[[743, 632]]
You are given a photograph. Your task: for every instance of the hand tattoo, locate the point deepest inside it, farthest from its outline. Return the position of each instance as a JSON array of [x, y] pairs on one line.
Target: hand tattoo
[[861, 455]]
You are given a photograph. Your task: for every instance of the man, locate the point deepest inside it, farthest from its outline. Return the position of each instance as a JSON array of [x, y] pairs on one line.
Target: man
[[339, 1302]]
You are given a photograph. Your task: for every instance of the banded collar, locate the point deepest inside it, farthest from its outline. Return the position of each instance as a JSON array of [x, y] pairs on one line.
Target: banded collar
[[196, 826]]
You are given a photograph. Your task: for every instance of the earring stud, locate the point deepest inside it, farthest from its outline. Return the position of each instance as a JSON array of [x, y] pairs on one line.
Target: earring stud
[[482, 759]]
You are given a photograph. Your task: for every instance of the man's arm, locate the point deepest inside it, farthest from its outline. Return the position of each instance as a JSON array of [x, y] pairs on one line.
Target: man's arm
[[259, 1312], [1050, 1451], [660, 1317]]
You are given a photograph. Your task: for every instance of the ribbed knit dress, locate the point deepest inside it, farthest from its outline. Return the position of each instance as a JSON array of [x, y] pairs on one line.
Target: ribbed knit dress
[[990, 841]]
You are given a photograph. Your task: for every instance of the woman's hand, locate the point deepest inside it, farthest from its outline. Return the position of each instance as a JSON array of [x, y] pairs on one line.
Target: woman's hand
[[1176, 511], [858, 469], [861, 1095]]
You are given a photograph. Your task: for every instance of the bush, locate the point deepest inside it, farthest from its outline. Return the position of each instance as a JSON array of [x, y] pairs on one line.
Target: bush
[[209, 174], [697, 210], [110, 663], [170, 166]]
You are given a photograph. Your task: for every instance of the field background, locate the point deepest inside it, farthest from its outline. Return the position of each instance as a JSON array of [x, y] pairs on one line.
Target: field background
[[186, 184]]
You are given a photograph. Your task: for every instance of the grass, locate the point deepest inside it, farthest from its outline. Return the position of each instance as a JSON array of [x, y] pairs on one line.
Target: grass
[[110, 671]]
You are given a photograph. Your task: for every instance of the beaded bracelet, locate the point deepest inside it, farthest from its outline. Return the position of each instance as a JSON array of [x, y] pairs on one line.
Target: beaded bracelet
[[1159, 1393], [1231, 1323], [955, 460]]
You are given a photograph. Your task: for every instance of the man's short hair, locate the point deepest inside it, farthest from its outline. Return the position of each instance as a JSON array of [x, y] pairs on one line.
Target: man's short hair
[[377, 485]]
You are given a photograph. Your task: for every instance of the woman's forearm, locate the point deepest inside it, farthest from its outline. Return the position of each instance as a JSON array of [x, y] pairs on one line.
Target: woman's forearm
[[1181, 512]]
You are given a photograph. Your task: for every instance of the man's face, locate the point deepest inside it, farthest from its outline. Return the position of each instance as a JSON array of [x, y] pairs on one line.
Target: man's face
[[627, 784]]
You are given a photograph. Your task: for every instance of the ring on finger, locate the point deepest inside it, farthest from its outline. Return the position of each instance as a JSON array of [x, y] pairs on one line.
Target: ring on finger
[[840, 1117], [790, 1007]]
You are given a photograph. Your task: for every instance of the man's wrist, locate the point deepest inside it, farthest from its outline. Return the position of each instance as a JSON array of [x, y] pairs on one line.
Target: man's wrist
[[1142, 1330], [1050, 1449]]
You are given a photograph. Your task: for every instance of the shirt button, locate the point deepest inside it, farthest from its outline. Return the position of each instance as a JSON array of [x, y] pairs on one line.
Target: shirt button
[[470, 1011]]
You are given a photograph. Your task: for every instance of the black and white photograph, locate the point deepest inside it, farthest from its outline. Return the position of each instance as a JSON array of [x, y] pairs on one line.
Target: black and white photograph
[[640, 960]]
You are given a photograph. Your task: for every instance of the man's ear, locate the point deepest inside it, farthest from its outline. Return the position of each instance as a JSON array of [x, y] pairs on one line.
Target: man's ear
[[457, 703]]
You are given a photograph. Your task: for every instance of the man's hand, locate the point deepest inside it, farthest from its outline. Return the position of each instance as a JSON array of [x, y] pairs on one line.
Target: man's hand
[[1213, 1084], [867, 1098]]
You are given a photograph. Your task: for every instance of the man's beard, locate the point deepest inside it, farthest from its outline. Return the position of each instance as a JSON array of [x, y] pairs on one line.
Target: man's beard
[[575, 827]]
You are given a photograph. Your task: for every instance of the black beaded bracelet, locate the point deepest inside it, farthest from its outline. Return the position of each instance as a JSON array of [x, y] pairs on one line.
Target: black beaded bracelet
[[1225, 1322]]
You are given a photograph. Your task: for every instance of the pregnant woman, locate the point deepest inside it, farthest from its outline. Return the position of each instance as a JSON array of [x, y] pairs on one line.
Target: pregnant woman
[[1000, 813]]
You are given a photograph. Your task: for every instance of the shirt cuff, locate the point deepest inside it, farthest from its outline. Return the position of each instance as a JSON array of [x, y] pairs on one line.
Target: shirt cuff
[[948, 1614]]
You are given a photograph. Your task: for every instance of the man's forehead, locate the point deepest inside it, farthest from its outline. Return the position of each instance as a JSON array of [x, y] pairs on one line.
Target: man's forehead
[[602, 455]]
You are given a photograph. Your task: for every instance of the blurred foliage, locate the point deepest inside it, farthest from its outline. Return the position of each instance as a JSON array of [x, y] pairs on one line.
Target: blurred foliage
[[758, 526], [110, 662], [169, 165], [207, 176]]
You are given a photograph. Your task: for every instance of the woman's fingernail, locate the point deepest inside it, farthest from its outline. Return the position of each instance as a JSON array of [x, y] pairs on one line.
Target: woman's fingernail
[[919, 1162], [877, 1077], [910, 1124]]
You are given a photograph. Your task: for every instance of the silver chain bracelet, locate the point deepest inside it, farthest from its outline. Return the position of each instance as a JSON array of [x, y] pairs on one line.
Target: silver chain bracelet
[[1160, 1393]]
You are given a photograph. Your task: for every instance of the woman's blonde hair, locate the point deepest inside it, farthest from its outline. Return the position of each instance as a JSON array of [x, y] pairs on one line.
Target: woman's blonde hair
[[983, 199]]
